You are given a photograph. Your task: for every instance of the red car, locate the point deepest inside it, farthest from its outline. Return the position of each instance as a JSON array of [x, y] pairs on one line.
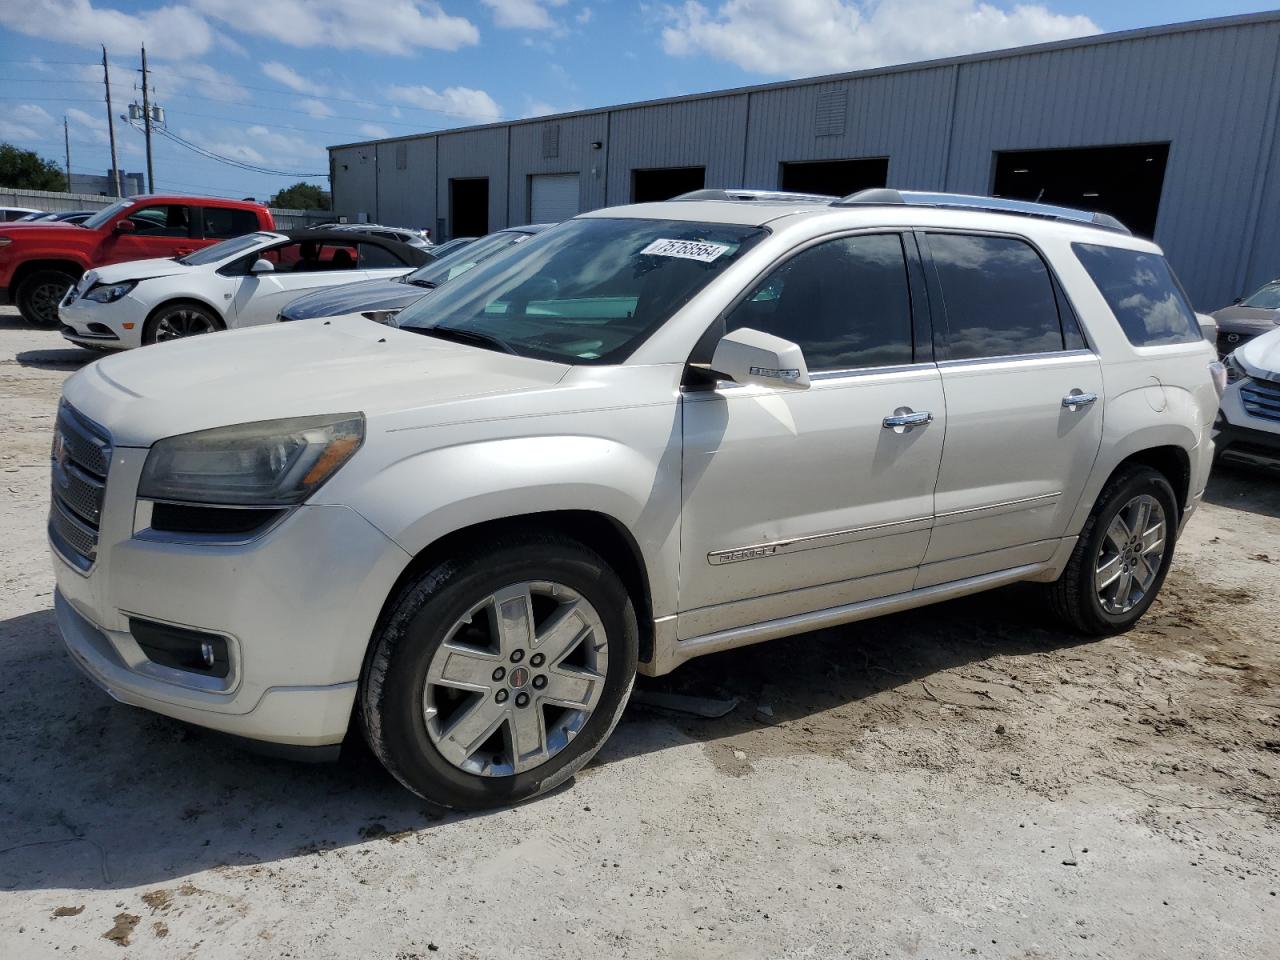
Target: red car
[[40, 261]]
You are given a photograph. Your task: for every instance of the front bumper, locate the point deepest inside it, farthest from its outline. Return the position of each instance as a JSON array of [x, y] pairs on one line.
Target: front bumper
[[116, 326], [1241, 437], [297, 606]]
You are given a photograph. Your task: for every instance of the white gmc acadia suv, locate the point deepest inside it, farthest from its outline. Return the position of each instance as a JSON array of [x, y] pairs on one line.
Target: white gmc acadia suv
[[649, 433]]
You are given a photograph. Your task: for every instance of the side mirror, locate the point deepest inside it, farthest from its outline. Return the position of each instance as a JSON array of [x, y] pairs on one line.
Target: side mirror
[[1237, 300], [126, 226], [750, 356], [1208, 327], [262, 265]]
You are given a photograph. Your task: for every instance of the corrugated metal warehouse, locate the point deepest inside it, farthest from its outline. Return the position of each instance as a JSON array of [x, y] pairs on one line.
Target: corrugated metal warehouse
[[1172, 129]]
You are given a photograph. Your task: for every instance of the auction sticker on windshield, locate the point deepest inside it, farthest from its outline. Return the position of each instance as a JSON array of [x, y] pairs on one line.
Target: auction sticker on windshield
[[685, 250]]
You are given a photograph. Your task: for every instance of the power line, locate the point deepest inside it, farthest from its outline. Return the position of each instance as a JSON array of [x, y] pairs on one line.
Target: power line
[[242, 164]]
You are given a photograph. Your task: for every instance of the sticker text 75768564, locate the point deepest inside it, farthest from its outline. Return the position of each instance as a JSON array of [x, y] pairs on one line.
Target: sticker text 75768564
[[685, 249]]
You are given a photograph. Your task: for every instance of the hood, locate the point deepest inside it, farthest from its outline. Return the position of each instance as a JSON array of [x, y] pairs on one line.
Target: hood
[[1260, 357], [27, 225], [290, 370], [354, 298], [1240, 319], [140, 270]]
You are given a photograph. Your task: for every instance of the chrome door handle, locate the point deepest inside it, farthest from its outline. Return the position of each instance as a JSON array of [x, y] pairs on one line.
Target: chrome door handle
[[899, 420], [1074, 401]]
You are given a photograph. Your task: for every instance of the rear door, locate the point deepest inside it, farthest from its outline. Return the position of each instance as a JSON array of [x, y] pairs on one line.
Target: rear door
[[223, 223], [1024, 405], [300, 267]]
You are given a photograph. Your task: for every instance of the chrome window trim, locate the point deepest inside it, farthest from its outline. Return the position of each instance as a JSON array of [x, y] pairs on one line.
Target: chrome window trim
[[1018, 358], [825, 376]]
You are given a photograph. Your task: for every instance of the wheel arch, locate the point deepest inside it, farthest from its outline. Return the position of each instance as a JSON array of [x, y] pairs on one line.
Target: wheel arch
[[604, 534], [186, 298], [28, 267], [1168, 450]]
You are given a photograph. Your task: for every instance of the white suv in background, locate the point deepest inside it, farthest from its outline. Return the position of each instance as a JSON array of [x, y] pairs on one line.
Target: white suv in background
[[1248, 427], [649, 433]]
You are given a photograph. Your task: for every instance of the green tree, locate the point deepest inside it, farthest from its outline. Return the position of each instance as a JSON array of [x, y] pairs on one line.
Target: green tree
[[27, 170], [301, 196]]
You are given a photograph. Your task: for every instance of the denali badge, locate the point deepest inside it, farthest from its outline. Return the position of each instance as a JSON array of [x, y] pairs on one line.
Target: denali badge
[[744, 553], [787, 374]]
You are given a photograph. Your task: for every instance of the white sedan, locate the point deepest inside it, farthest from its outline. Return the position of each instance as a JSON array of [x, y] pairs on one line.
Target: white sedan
[[241, 282]]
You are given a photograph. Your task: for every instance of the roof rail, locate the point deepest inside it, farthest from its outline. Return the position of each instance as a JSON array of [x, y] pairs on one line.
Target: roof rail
[[960, 201], [776, 196]]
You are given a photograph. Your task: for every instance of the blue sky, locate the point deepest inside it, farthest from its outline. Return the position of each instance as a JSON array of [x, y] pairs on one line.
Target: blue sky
[[270, 83]]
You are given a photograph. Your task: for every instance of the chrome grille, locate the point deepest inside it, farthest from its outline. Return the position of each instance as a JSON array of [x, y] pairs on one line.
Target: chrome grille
[[81, 460], [1261, 398]]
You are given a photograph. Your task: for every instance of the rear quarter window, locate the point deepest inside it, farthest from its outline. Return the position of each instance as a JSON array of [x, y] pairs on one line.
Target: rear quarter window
[[1143, 294]]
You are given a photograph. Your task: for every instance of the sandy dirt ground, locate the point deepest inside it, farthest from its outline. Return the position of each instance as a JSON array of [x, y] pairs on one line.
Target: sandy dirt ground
[[961, 781]]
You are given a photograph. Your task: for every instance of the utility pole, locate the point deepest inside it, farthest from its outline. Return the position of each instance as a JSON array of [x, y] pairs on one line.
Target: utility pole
[[111, 121], [66, 141], [146, 119]]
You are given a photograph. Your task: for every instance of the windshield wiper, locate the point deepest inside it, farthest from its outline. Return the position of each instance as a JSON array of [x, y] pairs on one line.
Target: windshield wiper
[[419, 283], [469, 337]]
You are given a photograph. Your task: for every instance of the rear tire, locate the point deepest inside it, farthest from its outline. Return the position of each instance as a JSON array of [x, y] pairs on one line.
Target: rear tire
[[1122, 557], [39, 295], [466, 692], [177, 321]]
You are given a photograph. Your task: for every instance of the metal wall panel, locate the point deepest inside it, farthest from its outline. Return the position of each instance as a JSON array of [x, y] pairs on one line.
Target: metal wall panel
[[355, 180], [902, 116], [576, 155], [475, 153], [407, 198], [1205, 92], [1211, 90], [708, 133]]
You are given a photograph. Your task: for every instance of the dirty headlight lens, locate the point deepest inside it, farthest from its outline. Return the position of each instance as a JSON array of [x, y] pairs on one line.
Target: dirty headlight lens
[[110, 292], [270, 463], [1235, 372]]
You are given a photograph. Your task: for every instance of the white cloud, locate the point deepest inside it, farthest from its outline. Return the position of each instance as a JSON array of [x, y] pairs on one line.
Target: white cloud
[[170, 33], [540, 108], [290, 78], [808, 37], [395, 26], [584, 15], [26, 122], [170, 79], [454, 101], [524, 14], [315, 108], [373, 131]]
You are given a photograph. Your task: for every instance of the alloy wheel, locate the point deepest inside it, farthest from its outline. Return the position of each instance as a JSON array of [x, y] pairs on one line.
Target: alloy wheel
[[44, 301], [183, 323], [1131, 555], [515, 679]]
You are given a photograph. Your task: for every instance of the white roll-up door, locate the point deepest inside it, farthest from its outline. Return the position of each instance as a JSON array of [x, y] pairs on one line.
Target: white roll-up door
[[553, 197]]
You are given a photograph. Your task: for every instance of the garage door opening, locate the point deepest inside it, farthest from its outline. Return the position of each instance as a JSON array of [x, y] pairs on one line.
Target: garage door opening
[[553, 197], [1122, 181], [650, 186], [837, 178], [469, 206]]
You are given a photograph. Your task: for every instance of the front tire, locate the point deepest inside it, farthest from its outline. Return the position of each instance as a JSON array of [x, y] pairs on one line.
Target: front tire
[[178, 321], [499, 673], [39, 295], [1122, 557]]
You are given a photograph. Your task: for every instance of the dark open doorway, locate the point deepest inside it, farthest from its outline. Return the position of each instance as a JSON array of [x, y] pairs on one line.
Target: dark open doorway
[[649, 186], [1122, 181], [837, 178], [469, 207]]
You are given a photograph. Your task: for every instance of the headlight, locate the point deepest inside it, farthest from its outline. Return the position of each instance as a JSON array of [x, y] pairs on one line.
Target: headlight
[[269, 463], [110, 292], [1235, 372]]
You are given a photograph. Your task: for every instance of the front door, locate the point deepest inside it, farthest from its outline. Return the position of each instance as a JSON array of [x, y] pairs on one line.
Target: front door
[[160, 230], [300, 267], [1018, 450], [798, 500]]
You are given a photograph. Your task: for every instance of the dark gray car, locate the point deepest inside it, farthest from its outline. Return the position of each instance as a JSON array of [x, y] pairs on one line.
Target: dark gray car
[[1248, 317], [382, 299]]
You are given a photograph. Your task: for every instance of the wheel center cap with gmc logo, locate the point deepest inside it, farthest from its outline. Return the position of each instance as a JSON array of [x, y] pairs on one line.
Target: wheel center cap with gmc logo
[[518, 678]]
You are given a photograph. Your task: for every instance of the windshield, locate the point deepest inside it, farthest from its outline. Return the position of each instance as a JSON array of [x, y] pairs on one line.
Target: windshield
[[458, 262], [587, 291], [1268, 298], [106, 213], [224, 250]]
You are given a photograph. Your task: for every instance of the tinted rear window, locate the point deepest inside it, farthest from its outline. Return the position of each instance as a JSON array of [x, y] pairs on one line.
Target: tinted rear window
[[1142, 293], [223, 222]]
